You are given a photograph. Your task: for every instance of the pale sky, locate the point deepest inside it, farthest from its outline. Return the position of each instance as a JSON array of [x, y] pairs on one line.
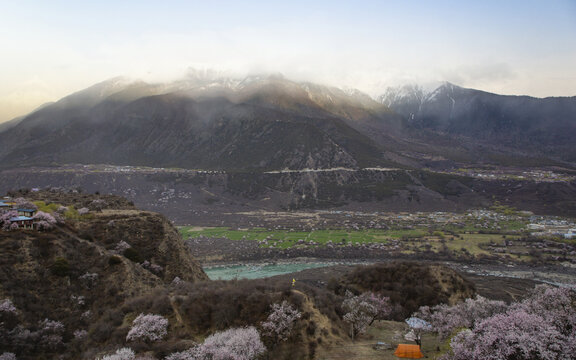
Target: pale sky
[[49, 49]]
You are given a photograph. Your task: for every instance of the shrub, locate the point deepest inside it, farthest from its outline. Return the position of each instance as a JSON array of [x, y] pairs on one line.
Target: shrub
[[114, 260], [7, 307], [50, 334], [133, 255], [60, 267], [148, 327]]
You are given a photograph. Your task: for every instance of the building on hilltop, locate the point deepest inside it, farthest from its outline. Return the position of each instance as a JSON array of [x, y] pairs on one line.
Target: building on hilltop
[[22, 222], [26, 212], [4, 207]]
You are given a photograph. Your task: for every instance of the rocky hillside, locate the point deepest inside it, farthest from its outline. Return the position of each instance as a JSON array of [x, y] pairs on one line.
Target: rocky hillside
[[410, 284], [84, 267], [191, 197]]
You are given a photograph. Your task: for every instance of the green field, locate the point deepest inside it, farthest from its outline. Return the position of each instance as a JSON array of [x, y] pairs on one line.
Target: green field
[[287, 239], [410, 241]]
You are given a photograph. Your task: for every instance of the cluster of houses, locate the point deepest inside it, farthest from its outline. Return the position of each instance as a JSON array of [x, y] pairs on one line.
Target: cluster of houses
[[24, 219], [549, 226]]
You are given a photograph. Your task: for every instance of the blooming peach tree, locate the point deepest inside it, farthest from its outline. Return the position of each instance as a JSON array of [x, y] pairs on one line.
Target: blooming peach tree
[[417, 328], [364, 309], [445, 319], [543, 326], [148, 328], [44, 221], [281, 320], [232, 344], [5, 219], [120, 354]]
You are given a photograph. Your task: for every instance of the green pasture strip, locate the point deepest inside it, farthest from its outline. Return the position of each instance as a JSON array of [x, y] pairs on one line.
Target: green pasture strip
[[285, 239]]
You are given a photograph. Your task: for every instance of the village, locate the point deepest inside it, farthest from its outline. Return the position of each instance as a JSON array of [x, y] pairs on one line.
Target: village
[[514, 173], [19, 215], [489, 236]]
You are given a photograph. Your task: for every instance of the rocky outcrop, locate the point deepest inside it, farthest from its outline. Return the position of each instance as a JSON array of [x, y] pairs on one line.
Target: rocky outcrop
[[152, 238]]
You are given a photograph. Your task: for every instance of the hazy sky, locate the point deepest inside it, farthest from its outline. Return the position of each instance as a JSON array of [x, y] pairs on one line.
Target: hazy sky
[[49, 49]]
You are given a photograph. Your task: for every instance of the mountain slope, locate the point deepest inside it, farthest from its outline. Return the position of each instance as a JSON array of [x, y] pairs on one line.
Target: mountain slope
[[259, 124], [520, 124], [267, 123]]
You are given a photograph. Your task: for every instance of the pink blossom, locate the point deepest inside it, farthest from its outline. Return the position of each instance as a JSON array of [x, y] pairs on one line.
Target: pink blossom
[[44, 221], [281, 320], [88, 280], [121, 246], [148, 327], [155, 268], [236, 344], [232, 344], [121, 354], [23, 203], [7, 307], [7, 356], [5, 219], [363, 310], [50, 333], [444, 319], [80, 334], [543, 326]]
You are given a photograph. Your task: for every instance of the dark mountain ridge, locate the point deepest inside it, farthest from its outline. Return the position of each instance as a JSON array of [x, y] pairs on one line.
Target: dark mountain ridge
[[520, 124], [268, 122], [265, 124]]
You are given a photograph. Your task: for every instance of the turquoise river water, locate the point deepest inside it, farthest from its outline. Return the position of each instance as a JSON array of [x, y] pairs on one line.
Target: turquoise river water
[[257, 271]]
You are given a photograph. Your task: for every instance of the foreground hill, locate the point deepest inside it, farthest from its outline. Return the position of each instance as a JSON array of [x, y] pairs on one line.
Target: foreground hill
[[73, 290], [85, 266]]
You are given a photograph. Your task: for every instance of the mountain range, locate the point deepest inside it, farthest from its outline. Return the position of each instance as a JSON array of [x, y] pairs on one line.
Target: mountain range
[[268, 122], [542, 127]]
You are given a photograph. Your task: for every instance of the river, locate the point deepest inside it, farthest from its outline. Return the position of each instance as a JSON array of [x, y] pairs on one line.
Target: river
[[257, 271]]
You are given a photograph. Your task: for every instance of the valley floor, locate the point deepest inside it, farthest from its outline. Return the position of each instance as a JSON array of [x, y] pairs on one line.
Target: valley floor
[[487, 243]]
